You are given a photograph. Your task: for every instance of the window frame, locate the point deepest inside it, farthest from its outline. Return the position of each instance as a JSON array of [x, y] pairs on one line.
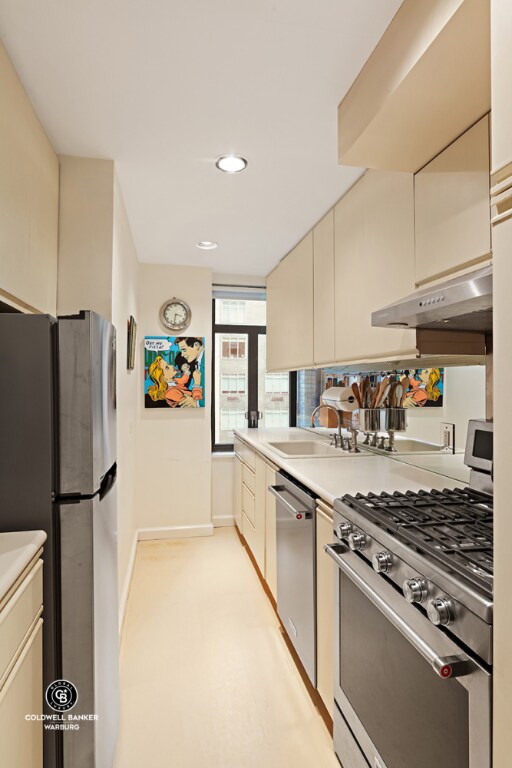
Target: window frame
[[252, 332]]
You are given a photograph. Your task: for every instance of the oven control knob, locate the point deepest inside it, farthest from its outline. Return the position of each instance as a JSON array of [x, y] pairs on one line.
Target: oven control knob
[[344, 529], [382, 562], [357, 541], [415, 590], [440, 611]]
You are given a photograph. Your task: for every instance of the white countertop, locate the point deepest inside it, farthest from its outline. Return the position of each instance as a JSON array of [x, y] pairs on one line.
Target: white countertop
[[17, 549], [331, 478], [447, 464]]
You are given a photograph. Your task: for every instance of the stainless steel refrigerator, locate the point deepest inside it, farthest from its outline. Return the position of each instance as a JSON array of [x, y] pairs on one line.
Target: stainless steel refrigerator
[[57, 473]]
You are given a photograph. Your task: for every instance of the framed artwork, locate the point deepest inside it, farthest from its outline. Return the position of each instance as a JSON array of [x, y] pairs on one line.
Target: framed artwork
[[130, 347], [424, 387], [174, 375]]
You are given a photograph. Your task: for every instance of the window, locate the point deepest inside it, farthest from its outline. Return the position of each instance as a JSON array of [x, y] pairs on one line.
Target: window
[[241, 386], [277, 418], [230, 420], [233, 383], [277, 382], [232, 312], [240, 312], [233, 346]]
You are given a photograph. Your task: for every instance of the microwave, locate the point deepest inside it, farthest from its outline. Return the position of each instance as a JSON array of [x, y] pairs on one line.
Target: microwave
[[479, 451]]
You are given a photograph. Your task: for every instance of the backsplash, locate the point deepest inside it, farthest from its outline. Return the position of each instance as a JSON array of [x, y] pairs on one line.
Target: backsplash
[[456, 397]]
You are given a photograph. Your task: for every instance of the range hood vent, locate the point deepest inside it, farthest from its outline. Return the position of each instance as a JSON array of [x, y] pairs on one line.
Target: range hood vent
[[461, 304]]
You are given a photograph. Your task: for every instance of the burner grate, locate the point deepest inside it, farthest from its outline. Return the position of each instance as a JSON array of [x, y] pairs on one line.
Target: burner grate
[[454, 527]]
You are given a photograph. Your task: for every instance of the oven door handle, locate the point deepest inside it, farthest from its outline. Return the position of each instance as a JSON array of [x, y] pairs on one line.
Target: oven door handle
[[444, 666], [298, 514]]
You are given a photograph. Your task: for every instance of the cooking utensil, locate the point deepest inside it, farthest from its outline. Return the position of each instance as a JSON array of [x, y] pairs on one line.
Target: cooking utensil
[[367, 392], [357, 395], [385, 396], [392, 394], [380, 394]]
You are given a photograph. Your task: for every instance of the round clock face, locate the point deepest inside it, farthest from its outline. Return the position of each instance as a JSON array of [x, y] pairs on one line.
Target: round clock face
[[175, 314]]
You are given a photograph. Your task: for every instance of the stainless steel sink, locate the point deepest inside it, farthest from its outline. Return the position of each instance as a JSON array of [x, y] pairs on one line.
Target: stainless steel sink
[[306, 449]]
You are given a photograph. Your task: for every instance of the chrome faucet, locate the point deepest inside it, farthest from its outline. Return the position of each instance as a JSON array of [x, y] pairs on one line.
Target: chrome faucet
[[338, 437]]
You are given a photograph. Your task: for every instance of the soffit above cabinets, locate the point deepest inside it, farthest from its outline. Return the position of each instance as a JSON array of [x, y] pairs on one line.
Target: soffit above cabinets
[[426, 82]]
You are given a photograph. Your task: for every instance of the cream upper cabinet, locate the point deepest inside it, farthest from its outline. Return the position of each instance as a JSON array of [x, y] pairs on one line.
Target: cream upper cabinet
[[501, 83], [451, 198], [323, 290], [29, 199], [374, 264], [290, 310]]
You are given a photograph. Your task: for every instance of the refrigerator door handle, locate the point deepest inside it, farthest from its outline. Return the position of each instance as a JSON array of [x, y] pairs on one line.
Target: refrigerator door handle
[[108, 481]]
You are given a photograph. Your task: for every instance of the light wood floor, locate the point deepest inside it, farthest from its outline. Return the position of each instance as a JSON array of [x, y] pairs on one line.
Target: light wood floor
[[206, 678]]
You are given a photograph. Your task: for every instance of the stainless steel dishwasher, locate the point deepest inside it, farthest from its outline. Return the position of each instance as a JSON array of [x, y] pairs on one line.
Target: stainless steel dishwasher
[[296, 604]]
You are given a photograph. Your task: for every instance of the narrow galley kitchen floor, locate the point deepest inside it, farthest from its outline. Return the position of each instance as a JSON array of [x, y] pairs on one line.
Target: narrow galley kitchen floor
[[206, 678]]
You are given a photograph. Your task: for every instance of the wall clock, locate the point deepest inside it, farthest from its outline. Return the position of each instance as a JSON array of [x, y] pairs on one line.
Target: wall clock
[[175, 314]]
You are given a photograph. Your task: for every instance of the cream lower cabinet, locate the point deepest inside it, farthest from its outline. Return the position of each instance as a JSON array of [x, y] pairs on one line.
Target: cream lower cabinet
[[324, 607], [21, 674], [253, 506], [290, 310], [237, 492], [502, 629], [374, 264], [255, 509], [451, 206], [270, 532]]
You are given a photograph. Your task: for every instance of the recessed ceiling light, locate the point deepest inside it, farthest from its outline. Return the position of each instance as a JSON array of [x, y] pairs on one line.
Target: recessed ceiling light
[[207, 245], [231, 163]]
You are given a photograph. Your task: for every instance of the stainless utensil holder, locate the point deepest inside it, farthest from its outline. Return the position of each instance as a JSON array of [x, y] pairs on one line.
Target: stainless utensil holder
[[394, 420], [369, 419]]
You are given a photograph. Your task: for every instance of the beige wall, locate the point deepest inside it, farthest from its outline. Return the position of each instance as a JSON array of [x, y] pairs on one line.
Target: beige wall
[[173, 446], [85, 235], [98, 270], [223, 470], [29, 194], [124, 304]]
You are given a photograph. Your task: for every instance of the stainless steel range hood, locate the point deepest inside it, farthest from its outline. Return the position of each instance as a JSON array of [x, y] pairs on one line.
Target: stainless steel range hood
[[461, 304]]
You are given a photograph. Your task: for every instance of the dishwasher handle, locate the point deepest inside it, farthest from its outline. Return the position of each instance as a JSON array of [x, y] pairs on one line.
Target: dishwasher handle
[[444, 666], [298, 514]]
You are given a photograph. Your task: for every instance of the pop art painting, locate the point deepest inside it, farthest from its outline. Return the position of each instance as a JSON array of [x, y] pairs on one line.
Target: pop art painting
[[423, 387], [174, 374]]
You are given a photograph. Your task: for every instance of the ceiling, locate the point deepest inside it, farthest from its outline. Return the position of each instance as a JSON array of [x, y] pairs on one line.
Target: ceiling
[[166, 86]]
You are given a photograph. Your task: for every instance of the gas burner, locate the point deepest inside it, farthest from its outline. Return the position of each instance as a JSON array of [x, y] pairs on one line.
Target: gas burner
[[452, 527]]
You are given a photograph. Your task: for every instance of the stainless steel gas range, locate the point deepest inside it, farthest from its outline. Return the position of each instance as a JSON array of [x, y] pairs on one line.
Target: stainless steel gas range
[[413, 623]]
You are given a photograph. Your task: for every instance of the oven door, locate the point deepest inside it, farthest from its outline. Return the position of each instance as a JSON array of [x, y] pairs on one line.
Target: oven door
[[405, 691]]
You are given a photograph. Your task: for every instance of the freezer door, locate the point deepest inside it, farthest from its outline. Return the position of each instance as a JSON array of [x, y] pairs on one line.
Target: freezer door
[[87, 402], [90, 627]]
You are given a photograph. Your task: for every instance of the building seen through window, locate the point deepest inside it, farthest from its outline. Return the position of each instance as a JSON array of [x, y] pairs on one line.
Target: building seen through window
[[241, 381]]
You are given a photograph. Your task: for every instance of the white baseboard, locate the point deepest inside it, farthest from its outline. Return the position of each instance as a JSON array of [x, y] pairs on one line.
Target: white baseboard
[[223, 520], [175, 532], [127, 582]]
